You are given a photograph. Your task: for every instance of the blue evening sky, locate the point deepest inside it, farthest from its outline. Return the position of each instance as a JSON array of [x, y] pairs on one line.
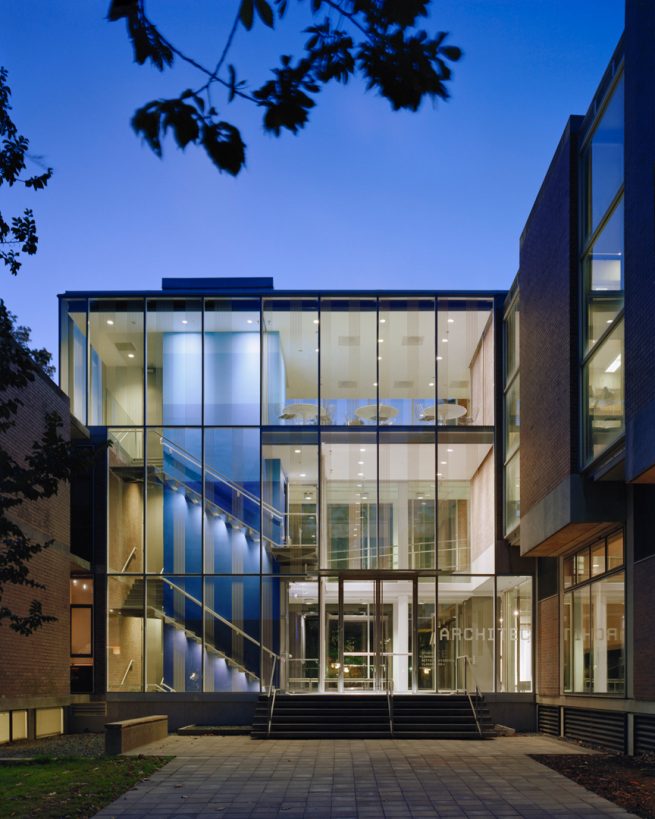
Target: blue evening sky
[[363, 198]]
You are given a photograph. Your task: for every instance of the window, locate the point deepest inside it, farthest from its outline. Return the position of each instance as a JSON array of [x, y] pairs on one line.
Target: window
[[604, 391], [594, 618], [602, 162]]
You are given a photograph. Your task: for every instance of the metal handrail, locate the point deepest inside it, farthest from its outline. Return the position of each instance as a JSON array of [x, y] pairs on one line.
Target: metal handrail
[[389, 688], [219, 617], [240, 490], [129, 558], [127, 671], [467, 664], [270, 685], [270, 714]]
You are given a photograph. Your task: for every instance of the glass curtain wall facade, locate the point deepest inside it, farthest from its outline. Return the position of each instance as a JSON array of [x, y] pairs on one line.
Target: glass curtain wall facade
[[602, 277], [300, 491]]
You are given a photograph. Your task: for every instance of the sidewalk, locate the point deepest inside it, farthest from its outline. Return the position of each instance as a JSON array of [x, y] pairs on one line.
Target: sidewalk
[[214, 777]]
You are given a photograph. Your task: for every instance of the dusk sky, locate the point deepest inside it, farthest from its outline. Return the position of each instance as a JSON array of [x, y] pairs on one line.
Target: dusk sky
[[363, 198]]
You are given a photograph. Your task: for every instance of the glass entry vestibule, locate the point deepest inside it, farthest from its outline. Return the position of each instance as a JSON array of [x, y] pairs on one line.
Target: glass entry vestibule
[[365, 633]]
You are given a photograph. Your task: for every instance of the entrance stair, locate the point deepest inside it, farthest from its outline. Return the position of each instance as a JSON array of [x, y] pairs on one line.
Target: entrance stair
[[372, 716]]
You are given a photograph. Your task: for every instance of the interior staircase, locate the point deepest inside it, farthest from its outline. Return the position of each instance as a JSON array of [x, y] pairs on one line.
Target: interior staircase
[[372, 716]]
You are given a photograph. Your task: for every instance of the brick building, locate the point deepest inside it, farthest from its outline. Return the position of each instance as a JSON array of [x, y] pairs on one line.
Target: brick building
[[35, 687], [356, 492]]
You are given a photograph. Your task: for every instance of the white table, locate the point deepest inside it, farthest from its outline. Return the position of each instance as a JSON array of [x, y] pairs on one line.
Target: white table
[[306, 412], [445, 411], [374, 412]]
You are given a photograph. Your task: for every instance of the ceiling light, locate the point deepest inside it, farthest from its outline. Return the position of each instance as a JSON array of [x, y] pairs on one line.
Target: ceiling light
[[614, 366], [110, 322], [362, 449], [431, 384], [360, 474], [130, 355], [297, 451], [359, 485], [315, 321], [375, 383], [380, 341], [316, 350], [361, 463], [439, 358], [445, 340], [184, 321], [451, 321], [443, 463], [249, 321], [609, 321], [382, 321], [303, 474], [379, 358], [439, 475]]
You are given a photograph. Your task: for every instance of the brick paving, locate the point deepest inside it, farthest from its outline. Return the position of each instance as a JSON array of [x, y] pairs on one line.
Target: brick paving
[[237, 777]]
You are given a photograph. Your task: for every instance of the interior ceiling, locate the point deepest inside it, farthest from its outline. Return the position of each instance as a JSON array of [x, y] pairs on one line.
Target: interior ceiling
[[350, 348], [362, 590]]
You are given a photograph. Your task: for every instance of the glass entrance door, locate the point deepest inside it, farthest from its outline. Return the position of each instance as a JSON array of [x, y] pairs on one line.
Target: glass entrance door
[[369, 634]]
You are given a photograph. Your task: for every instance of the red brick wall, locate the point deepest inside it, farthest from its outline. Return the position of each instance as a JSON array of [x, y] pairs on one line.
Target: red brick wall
[[644, 630], [548, 647], [39, 665]]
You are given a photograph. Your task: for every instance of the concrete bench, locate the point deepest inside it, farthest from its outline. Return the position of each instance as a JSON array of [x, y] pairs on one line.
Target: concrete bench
[[132, 733]]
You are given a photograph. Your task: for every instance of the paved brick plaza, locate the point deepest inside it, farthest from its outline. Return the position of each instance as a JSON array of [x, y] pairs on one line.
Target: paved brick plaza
[[239, 777]]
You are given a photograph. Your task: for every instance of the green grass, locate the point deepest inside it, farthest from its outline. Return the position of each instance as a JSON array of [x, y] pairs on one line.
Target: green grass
[[67, 788]]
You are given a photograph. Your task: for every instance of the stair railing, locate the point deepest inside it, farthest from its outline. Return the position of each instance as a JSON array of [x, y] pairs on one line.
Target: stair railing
[[221, 619], [128, 561], [127, 671], [468, 664], [389, 690], [272, 691]]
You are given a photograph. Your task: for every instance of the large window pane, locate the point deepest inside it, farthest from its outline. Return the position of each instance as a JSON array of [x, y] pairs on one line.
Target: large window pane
[[350, 538], [603, 382], [512, 339], [290, 362], [232, 373], [465, 363], [290, 501], [125, 501], [603, 161], [174, 515], [174, 361], [465, 508], [581, 658], [125, 601], [407, 498], [116, 363], [232, 508], [512, 417], [232, 633], [465, 628], [349, 364], [291, 633], [406, 365], [603, 277], [513, 493], [174, 634], [608, 601], [514, 634], [72, 355]]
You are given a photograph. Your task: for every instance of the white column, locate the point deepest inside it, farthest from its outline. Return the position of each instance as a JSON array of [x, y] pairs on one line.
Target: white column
[[401, 643]]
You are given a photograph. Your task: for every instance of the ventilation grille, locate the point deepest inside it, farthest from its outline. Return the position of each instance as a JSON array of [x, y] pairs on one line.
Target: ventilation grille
[[347, 385], [644, 734], [548, 719], [412, 341], [125, 347], [348, 341], [603, 728]]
